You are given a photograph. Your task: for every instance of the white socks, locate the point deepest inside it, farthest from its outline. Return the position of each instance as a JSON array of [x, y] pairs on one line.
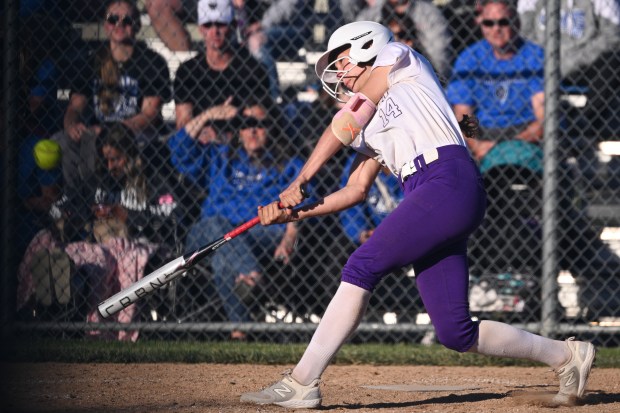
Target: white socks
[[343, 315], [503, 340], [346, 309]]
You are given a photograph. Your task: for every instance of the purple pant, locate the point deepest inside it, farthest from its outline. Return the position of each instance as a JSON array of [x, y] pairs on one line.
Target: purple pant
[[444, 203]]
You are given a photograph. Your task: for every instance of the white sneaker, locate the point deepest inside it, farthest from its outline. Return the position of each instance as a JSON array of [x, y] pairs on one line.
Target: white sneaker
[[287, 393], [574, 374]]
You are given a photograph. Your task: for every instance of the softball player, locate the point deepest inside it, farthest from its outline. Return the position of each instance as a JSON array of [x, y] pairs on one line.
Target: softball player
[[397, 116]]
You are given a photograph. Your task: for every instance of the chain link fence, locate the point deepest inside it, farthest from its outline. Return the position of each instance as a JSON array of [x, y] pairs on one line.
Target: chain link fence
[[138, 98]]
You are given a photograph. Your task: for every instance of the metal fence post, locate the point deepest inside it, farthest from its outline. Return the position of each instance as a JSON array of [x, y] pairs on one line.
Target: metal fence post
[[550, 199], [8, 163]]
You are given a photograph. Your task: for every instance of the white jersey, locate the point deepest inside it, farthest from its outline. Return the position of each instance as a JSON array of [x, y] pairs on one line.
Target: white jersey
[[412, 117]]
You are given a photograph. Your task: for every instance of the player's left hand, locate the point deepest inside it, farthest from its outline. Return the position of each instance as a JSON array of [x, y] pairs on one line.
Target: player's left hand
[[272, 214]]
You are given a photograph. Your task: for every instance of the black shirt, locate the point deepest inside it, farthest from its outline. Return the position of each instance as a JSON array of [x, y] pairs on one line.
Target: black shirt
[[203, 87]]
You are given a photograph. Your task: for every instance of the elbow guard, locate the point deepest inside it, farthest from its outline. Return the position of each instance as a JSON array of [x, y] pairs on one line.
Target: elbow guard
[[350, 120]]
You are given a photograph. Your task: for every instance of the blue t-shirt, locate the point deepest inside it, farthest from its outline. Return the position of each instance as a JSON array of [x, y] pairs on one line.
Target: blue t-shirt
[[236, 186], [499, 90]]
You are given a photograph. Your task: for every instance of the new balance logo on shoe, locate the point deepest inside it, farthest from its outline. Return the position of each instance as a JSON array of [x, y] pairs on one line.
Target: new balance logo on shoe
[[282, 391], [287, 393]]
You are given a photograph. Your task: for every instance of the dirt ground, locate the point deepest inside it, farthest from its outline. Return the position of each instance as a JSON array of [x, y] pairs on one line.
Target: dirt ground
[[71, 388]]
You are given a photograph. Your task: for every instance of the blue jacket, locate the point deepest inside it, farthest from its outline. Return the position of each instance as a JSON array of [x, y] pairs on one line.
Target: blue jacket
[[235, 185]]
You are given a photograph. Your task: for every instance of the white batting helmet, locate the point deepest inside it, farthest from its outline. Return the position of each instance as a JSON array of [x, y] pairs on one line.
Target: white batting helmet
[[365, 38]]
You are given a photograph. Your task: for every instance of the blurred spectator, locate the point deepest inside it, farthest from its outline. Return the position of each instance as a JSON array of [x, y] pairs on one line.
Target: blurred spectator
[[40, 115], [124, 81], [130, 214], [463, 20], [248, 172], [360, 221], [431, 27], [403, 29], [223, 75], [168, 18], [276, 30], [589, 46], [500, 80], [290, 25], [352, 8]]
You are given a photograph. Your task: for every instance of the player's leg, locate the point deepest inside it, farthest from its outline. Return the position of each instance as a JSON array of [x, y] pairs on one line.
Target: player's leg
[[300, 387], [442, 281], [571, 360]]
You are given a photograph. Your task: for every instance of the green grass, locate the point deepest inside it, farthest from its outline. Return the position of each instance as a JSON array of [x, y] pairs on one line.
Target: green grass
[[79, 351]]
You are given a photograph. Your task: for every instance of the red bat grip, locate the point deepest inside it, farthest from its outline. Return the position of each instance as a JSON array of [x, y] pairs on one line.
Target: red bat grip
[[244, 227]]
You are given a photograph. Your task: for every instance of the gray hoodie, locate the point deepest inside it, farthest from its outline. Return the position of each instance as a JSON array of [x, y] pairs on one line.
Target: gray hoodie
[[431, 28], [589, 28]]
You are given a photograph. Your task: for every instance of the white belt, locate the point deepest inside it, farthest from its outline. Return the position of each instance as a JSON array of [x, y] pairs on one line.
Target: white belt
[[410, 167]]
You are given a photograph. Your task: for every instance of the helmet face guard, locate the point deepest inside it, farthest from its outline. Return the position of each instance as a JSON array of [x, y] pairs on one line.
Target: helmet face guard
[[331, 79], [364, 39]]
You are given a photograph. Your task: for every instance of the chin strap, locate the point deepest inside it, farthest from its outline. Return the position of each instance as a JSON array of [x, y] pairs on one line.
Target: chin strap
[[353, 117]]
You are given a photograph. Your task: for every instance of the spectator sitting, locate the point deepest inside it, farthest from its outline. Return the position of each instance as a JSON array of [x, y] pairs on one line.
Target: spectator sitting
[[238, 180], [431, 27], [589, 46], [222, 74], [124, 81], [500, 80], [360, 221], [129, 209]]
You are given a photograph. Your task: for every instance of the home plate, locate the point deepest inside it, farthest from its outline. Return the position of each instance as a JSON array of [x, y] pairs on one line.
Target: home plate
[[419, 388]]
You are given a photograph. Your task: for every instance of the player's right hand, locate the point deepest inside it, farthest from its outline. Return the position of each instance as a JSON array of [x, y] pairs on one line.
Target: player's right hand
[[273, 214], [292, 196]]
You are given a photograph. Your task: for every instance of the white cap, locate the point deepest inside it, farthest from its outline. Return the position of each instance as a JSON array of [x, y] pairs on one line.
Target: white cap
[[215, 11]]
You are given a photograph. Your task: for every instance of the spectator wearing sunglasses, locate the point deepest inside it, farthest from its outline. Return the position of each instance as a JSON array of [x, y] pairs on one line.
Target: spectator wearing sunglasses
[[223, 74], [238, 175], [122, 81], [500, 80]]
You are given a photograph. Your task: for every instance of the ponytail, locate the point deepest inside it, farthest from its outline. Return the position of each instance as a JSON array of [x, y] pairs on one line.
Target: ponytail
[[109, 75]]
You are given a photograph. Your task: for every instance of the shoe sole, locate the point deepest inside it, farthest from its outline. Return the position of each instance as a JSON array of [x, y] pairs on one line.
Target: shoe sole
[[584, 371], [291, 404], [300, 404]]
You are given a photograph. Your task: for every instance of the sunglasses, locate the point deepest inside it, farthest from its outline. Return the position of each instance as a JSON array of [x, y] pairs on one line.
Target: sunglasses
[[115, 19], [250, 122], [219, 25], [505, 22]]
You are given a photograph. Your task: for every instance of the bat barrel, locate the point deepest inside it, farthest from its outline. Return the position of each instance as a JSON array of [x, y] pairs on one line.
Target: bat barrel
[[145, 286]]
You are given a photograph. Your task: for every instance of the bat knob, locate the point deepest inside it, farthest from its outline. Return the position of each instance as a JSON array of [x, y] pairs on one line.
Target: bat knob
[[304, 192]]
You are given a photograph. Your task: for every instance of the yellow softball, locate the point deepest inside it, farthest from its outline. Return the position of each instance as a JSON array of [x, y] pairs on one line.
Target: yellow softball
[[47, 154]]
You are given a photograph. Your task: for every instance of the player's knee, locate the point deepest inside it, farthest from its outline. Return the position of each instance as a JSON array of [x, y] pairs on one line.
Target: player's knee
[[359, 275], [457, 336]]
